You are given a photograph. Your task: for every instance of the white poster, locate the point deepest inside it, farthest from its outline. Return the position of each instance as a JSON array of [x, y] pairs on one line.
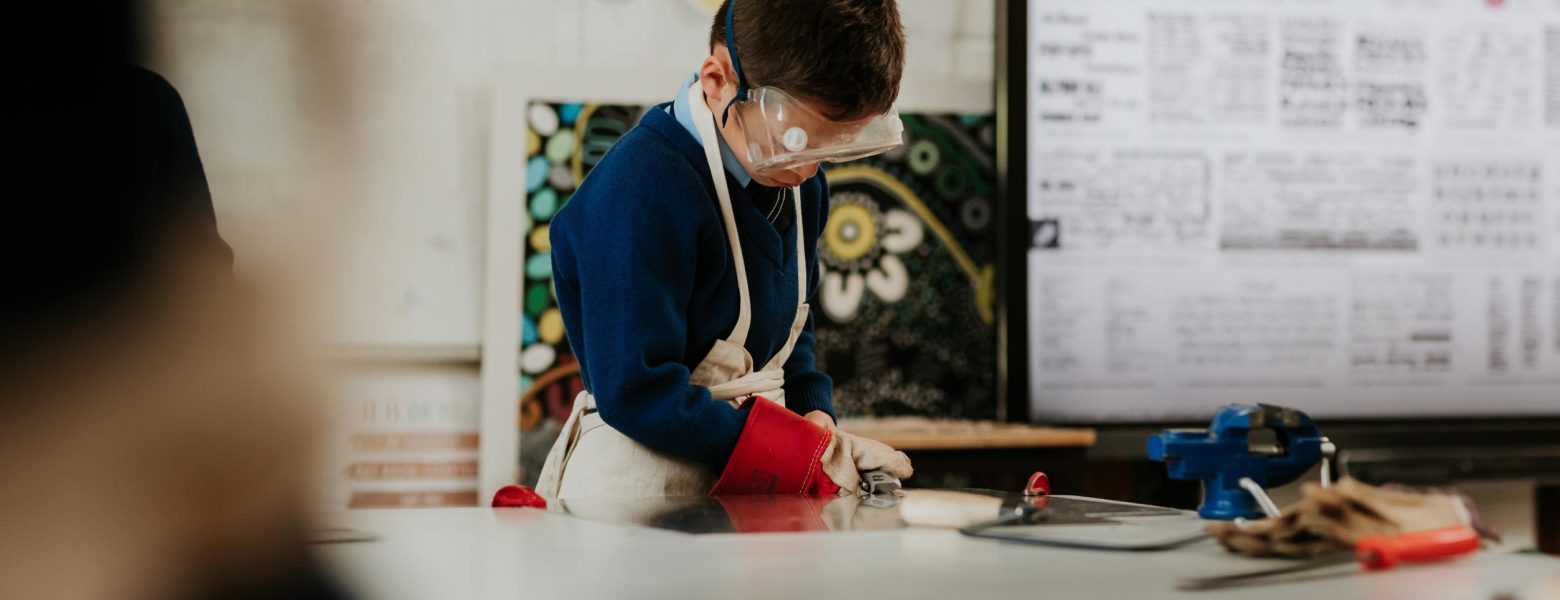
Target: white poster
[[406, 436], [1347, 206]]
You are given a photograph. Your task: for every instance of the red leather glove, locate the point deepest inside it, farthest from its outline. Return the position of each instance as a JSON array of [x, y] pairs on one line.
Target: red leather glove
[[779, 452], [511, 496]]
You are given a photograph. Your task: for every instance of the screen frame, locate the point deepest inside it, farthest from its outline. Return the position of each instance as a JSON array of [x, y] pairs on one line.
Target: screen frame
[[1011, 104]]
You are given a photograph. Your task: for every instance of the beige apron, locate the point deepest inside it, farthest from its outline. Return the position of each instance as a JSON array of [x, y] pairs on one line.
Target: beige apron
[[591, 459]]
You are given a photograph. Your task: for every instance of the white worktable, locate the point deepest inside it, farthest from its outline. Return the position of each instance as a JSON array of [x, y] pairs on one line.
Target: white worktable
[[526, 553]]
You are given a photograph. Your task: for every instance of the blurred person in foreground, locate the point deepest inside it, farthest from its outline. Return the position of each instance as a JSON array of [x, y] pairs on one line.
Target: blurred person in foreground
[[153, 427]]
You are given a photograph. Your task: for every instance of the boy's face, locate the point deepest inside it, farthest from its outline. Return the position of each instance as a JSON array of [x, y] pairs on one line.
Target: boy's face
[[719, 82]]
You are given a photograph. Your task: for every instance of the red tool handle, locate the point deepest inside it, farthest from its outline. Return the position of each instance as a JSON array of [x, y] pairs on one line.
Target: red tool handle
[[1039, 485], [1383, 551]]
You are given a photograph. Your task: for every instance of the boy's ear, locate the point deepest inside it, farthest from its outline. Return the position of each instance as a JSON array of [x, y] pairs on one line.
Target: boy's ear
[[715, 74]]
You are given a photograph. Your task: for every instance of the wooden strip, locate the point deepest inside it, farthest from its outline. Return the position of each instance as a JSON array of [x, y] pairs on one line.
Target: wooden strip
[[412, 499], [389, 471], [915, 433], [413, 442]]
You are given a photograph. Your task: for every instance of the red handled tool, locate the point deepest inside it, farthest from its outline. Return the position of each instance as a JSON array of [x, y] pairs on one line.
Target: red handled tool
[[1037, 491], [1377, 552], [1039, 485], [1373, 552]]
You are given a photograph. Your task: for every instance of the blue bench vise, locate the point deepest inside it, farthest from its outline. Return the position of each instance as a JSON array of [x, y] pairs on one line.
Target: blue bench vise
[[1225, 453]]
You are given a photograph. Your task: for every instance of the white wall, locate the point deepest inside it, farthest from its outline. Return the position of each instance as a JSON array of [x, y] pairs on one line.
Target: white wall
[[277, 89], [372, 123], [642, 48], [353, 120]]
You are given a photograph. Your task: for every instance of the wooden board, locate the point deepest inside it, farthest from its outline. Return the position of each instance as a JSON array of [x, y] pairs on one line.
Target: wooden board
[[918, 433]]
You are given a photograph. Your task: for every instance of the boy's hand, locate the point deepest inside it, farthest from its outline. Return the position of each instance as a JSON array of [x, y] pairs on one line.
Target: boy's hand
[[848, 456], [821, 418]]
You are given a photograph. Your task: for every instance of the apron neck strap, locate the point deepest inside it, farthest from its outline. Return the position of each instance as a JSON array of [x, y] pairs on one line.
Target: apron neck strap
[[704, 122], [801, 248]]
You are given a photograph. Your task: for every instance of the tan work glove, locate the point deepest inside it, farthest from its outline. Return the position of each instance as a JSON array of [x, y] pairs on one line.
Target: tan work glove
[[1329, 520], [848, 456]]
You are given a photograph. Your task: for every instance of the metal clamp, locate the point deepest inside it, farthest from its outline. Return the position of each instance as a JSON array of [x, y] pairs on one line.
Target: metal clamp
[[879, 482]]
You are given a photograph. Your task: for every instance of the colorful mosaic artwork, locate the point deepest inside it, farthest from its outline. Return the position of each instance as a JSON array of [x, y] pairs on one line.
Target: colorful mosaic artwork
[[563, 142], [909, 285], [907, 302]]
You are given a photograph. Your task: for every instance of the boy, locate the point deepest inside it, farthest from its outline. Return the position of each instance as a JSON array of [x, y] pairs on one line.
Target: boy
[[683, 262]]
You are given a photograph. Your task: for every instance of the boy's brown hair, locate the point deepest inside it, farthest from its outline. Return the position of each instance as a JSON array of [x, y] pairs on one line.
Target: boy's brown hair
[[847, 55]]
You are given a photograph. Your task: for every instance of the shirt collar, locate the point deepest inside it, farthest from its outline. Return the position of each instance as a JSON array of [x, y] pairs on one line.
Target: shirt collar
[[684, 114]]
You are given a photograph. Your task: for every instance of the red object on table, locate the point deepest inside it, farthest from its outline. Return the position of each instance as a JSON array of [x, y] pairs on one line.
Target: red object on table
[[1039, 485], [511, 496], [1377, 552]]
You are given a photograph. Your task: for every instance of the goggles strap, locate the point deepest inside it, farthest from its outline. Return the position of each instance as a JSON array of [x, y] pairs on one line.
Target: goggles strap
[[736, 65]]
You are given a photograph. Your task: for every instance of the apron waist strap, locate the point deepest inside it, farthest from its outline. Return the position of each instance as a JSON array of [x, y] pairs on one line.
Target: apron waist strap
[[769, 383]]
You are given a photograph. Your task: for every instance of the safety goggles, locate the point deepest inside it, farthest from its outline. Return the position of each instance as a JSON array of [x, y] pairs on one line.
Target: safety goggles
[[783, 133]]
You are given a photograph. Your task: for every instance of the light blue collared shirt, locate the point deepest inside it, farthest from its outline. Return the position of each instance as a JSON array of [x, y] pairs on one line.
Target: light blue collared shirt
[[684, 114]]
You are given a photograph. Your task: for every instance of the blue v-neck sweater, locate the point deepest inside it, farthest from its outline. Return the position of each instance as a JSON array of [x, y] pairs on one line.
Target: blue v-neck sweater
[[646, 285]]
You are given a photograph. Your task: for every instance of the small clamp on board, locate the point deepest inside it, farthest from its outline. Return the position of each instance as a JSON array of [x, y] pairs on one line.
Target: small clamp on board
[[881, 488], [879, 482]]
